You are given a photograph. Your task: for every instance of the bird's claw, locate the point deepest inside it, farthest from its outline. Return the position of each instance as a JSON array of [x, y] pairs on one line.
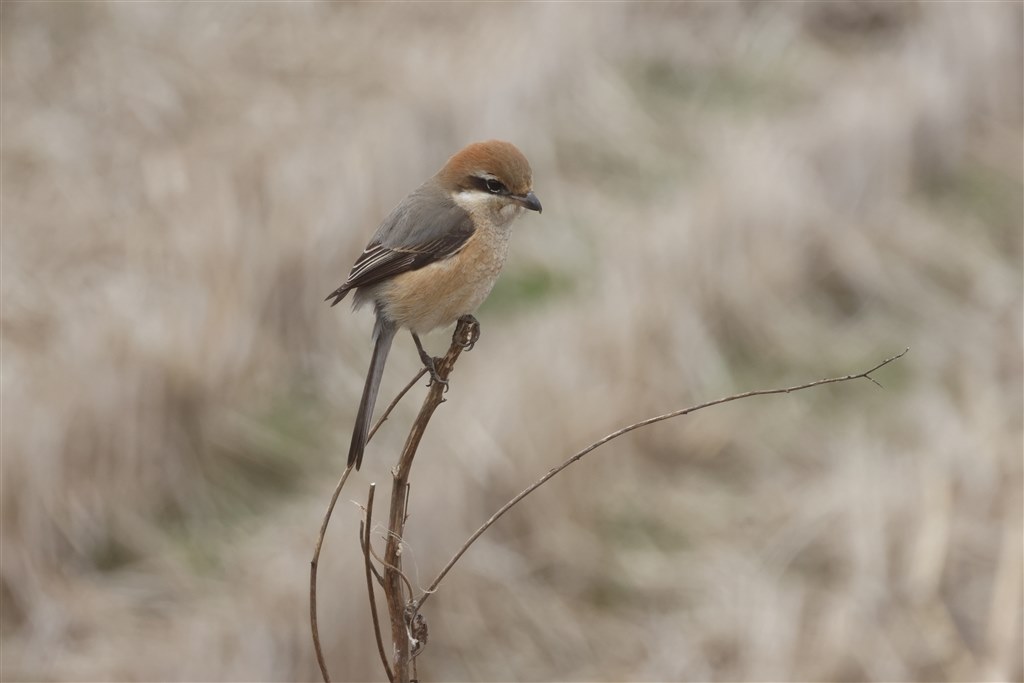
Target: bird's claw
[[474, 332], [434, 377], [431, 365]]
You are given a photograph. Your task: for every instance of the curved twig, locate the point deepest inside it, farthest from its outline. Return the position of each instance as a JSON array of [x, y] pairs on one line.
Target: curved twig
[[364, 540], [384, 563], [313, 564], [625, 430], [391, 406], [400, 609]]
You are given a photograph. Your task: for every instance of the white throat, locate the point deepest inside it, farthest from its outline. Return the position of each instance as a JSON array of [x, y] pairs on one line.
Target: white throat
[[491, 209]]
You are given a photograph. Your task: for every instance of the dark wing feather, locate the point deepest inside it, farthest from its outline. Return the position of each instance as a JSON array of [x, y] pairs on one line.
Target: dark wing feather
[[426, 227]]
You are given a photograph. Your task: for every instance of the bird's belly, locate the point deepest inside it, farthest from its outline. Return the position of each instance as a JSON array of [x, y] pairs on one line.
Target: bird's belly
[[439, 294]]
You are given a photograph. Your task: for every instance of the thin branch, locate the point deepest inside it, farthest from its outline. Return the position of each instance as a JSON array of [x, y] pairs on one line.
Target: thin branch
[[383, 563], [312, 575], [391, 406], [323, 531], [364, 540], [373, 569], [401, 610], [625, 430]]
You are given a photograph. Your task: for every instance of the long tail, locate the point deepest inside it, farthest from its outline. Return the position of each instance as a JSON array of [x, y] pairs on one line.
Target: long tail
[[383, 335]]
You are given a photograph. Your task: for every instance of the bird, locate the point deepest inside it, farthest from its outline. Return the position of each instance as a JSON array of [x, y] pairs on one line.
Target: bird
[[436, 256]]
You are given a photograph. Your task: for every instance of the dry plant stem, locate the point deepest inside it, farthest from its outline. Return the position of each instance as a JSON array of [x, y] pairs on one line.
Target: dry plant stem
[[465, 333], [637, 425], [364, 539], [313, 564], [394, 402]]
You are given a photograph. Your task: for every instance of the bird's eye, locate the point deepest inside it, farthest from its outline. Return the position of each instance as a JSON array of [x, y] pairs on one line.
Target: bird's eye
[[495, 186]]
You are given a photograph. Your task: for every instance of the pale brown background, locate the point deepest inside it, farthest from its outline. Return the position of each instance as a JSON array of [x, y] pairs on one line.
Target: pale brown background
[[736, 196]]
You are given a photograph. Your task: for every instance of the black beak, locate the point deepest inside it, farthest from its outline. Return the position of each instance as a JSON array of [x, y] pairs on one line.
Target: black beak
[[530, 201]]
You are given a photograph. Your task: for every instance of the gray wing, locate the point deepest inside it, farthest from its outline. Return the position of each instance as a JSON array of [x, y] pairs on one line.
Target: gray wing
[[427, 226]]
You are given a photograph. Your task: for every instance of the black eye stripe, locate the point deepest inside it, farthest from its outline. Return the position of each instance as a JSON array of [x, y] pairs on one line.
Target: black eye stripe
[[491, 185]]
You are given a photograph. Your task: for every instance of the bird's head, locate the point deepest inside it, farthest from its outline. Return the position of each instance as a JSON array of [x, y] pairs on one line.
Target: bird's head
[[492, 177]]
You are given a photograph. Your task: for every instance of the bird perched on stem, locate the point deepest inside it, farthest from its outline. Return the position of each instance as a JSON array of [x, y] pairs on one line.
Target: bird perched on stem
[[436, 256]]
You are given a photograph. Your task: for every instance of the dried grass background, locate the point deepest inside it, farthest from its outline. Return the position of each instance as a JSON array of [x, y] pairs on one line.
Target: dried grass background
[[737, 196]]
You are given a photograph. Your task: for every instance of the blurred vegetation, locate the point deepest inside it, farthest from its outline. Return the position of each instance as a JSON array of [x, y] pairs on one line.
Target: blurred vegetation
[[737, 195]]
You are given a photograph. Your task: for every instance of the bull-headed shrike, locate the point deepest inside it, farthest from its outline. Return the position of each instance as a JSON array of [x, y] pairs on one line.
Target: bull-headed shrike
[[437, 255]]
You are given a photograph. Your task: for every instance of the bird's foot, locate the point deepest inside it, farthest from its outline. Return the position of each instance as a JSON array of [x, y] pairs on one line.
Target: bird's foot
[[474, 332], [430, 363]]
